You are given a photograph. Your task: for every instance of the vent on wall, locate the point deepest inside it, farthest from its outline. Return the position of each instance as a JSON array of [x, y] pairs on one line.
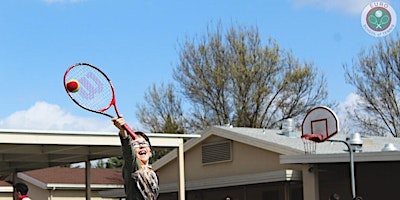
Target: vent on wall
[[216, 152]]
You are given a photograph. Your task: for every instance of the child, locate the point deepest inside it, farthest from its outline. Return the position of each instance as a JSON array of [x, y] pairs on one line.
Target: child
[[140, 180]]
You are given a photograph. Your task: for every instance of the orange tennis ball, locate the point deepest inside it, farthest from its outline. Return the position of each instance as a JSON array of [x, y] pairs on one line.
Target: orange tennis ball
[[73, 85]]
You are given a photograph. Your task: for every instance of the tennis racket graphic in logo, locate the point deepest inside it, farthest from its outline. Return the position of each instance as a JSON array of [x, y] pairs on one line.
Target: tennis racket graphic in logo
[[378, 19]]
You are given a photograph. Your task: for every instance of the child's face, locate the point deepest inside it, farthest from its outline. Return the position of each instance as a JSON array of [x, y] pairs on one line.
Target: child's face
[[142, 149]]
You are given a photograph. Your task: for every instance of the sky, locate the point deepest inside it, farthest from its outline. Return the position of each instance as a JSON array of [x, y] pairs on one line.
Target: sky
[[136, 44]]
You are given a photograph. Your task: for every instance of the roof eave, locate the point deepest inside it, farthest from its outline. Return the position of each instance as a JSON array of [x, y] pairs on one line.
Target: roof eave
[[341, 157]]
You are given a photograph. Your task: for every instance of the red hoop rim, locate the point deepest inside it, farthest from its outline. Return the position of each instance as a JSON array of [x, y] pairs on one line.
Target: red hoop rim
[[313, 137]]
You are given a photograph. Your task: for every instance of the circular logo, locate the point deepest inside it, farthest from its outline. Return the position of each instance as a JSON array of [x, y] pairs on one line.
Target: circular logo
[[378, 19]]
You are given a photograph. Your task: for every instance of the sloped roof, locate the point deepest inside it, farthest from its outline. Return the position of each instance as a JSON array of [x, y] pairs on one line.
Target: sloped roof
[[275, 141], [4, 183], [76, 175], [268, 139], [61, 177], [294, 142]]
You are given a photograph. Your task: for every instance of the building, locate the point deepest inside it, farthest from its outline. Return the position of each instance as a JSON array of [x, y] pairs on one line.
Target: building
[[22, 151], [258, 164], [58, 183], [6, 190], [252, 164]]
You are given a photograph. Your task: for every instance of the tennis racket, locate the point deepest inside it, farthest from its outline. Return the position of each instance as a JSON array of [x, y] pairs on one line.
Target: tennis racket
[[94, 91]]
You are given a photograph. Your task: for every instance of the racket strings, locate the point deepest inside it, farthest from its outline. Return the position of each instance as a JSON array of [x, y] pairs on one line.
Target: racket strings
[[95, 92]]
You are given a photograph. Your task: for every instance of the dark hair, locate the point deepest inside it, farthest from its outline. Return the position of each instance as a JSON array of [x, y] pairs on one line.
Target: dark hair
[[139, 133], [21, 188]]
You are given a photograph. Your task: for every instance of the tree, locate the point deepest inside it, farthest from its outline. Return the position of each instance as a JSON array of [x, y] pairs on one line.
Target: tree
[[233, 78], [114, 162], [376, 77], [162, 112]]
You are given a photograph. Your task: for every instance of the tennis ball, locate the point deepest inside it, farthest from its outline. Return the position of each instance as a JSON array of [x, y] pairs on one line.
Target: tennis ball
[[73, 85]]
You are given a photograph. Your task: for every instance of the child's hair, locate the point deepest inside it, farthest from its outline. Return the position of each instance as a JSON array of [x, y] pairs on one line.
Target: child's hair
[[21, 188], [139, 133]]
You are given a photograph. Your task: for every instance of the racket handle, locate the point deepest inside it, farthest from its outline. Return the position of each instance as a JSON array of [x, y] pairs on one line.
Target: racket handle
[[130, 131]]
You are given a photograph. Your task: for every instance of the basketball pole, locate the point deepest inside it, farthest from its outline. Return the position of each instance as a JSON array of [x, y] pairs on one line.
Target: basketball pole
[[353, 182]]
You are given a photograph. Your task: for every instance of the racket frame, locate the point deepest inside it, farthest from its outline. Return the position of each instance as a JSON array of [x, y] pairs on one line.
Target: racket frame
[[103, 110]]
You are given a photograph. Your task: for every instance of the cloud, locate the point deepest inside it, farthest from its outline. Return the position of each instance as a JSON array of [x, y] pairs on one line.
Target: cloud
[[351, 101], [45, 116], [347, 124], [351, 7]]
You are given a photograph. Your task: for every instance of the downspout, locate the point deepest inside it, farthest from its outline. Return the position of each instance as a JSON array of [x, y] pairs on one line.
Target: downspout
[[51, 193]]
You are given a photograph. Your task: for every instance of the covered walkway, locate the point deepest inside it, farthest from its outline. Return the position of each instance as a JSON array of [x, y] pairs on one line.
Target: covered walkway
[[23, 150]]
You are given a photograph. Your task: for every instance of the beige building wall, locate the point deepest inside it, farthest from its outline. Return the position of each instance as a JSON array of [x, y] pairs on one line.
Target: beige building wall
[[6, 196], [58, 195], [245, 160], [6, 192], [37, 193], [74, 195]]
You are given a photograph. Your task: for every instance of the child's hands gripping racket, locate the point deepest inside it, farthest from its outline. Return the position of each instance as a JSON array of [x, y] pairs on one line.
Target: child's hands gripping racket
[[92, 90]]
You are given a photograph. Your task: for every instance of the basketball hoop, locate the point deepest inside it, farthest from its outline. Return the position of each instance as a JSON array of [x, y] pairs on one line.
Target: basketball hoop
[[310, 142], [319, 125]]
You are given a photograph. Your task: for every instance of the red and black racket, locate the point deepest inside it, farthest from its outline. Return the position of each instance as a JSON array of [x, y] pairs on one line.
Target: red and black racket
[[92, 90]]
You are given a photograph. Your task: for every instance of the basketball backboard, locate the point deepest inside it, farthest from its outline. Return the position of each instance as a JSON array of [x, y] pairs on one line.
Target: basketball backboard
[[319, 124]]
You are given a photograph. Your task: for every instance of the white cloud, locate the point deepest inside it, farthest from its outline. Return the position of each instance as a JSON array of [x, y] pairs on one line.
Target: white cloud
[[351, 101], [45, 116], [347, 6], [346, 124]]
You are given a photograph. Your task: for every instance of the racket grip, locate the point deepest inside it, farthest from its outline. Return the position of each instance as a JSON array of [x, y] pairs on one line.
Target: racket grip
[[130, 131]]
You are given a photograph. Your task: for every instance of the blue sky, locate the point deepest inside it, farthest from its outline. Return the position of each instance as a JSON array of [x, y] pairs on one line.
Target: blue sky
[[135, 43]]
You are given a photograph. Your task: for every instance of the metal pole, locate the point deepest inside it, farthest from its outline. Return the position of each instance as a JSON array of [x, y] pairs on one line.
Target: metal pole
[[353, 182], [87, 179]]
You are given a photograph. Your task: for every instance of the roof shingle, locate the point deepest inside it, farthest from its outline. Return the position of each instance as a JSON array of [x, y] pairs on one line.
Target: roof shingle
[[63, 175]]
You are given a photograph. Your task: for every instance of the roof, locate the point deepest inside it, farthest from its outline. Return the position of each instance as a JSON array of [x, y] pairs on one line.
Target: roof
[[274, 140], [27, 150], [295, 143], [24, 150], [62, 177], [4, 183], [76, 175], [341, 157]]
